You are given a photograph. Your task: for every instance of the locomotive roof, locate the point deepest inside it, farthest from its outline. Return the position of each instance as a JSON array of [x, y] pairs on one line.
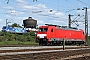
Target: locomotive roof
[[65, 27]]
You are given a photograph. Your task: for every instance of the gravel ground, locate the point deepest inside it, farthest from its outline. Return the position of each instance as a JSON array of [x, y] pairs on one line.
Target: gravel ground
[[81, 58], [37, 47], [50, 55]]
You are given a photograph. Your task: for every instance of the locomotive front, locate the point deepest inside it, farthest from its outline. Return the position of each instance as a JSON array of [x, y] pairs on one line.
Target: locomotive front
[[41, 35]]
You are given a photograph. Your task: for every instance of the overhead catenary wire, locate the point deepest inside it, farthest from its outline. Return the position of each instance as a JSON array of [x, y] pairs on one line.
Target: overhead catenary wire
[[59, 8], [71, 3], [83, 3], [7, 1], [55, 5], [77, 19], [11, 10], [75, 6], [52, 4]]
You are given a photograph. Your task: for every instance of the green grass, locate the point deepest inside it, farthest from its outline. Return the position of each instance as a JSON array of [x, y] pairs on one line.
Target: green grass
[[16, 43], [88, 40]]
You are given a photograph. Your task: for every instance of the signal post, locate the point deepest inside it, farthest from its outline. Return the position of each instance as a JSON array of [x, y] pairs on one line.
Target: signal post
[[64, 43]]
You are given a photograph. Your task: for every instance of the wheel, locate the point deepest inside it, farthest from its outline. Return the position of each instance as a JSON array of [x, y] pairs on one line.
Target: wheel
[[40, 43]]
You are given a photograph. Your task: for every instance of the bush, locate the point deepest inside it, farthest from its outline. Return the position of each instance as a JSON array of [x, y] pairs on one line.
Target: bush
[[6, 36], [89, 40]]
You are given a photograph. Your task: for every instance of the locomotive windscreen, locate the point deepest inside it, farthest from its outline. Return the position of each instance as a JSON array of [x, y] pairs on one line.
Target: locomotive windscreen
[[43, 29]]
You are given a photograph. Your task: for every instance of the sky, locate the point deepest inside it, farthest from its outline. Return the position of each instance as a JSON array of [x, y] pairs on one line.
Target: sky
[[45, 12]]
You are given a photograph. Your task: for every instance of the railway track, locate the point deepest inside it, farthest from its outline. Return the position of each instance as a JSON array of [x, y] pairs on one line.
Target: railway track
[[44, 53], [37, 48]]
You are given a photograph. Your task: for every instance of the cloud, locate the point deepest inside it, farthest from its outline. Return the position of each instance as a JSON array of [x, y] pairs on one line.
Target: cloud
[[14, 12], [58, 21], [8, 7], [2, 23], [21, 1], [38, 6], [40, 12], [19, 20], [40, 22], [0, 20]]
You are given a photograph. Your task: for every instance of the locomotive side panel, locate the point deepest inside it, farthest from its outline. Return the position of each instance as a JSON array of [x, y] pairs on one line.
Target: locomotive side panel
[[59, 34]]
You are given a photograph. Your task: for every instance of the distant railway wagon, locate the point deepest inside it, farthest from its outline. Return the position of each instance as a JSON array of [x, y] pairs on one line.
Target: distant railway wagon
[[13, 29], [53, 34]]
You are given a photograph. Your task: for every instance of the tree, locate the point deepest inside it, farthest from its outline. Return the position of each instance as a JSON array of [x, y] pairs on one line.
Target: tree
[[15, 25]]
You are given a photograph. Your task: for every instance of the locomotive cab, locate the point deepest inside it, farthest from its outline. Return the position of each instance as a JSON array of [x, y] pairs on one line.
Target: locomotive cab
[[44, 34], [41, 35]]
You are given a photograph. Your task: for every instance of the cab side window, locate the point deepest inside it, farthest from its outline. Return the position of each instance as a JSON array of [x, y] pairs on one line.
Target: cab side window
[[83, 33], [51, 30]]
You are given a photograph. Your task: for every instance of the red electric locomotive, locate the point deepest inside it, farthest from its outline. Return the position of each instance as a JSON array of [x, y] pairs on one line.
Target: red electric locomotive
[[53, 34]]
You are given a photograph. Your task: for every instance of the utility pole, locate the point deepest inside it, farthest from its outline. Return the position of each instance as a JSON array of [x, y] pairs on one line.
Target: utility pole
[[6, 22], [73, 21], [69, 22], [86, 24]]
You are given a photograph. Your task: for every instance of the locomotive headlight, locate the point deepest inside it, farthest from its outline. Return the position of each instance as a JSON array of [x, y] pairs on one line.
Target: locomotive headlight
[[41, 35]]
